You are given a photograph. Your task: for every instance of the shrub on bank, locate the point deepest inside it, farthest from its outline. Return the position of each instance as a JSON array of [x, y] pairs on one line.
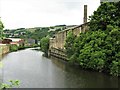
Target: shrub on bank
[[13, 47], [44, 45]]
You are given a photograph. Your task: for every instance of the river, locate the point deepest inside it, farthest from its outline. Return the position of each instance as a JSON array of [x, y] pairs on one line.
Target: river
[[35, 71]]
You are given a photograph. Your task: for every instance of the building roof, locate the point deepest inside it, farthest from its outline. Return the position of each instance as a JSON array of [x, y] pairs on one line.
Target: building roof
[[15, 39], [74, 27]]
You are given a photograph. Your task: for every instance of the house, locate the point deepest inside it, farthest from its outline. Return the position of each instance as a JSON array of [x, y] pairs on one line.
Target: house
[[17, 41], [6, 41], [30, 42]]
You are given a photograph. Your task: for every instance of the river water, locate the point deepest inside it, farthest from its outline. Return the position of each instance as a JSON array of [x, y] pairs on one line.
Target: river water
[[35, 71]]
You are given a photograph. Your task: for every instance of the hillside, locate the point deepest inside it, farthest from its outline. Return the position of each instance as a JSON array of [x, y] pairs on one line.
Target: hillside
[[34, 33]]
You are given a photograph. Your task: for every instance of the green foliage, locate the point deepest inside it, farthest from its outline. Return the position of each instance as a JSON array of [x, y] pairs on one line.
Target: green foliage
[[40, 33], [44, 44], [99, 48], [69, 45], [1, 25], [114, 69], [107, 14], [13, 84], [90, 51], [1, 29], [13, 47]]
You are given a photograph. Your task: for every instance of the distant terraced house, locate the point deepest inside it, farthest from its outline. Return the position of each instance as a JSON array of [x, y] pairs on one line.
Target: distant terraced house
[[16, 41]]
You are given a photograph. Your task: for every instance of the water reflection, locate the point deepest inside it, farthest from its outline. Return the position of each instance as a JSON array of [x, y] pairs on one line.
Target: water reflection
[[36, 71], [85, 79]]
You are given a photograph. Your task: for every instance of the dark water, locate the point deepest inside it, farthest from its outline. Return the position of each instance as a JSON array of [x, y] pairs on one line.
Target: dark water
[[36, 71]]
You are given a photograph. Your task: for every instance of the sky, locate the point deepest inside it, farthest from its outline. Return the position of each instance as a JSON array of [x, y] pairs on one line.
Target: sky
[[43, 13]]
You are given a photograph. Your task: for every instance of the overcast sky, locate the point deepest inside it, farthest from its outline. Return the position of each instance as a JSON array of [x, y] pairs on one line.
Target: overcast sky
[[38, 13]]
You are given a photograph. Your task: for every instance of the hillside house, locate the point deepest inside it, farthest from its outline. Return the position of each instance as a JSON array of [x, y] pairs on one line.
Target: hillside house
[[17, 41]]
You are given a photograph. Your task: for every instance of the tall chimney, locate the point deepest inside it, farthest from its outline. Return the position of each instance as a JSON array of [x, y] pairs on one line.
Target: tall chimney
[[85, 14]]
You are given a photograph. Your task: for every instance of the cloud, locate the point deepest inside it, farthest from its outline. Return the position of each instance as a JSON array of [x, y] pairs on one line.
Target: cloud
[[35, 13]]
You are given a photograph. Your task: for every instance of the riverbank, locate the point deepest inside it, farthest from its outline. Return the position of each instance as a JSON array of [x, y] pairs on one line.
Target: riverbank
[[61, 55], [14, 48], [73, 64], [97, 65]]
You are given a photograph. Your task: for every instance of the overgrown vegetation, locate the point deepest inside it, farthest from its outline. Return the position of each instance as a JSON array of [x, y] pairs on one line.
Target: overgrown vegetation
[[69, 45], [12, 84], [1, 29], [45, 45], [98, 48], [13, 48]]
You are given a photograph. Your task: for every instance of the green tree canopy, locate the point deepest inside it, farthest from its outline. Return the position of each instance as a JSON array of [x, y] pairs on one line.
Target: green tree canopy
[[69, 45], [44, 43], [108, 14], [1, 29], [1, 25]]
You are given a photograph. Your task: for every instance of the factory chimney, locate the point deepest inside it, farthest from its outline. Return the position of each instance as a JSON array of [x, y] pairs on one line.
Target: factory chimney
[[85, 14]]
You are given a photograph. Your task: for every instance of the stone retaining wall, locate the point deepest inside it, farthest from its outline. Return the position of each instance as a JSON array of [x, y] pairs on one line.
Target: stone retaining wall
[[4, 49]]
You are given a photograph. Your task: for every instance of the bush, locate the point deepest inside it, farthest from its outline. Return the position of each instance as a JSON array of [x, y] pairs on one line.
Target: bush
[[13, 84], [13, 47], [115, 70], [44, 44]]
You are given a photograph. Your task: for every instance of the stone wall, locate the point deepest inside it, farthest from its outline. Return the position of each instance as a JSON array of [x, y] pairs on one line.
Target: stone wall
[[4, 49], [58, 41]]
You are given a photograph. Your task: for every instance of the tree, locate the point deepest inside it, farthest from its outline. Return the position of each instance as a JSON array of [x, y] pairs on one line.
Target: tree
[[107, 14], [69, 44], [44, 43], [1, 29], [107, 19]]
